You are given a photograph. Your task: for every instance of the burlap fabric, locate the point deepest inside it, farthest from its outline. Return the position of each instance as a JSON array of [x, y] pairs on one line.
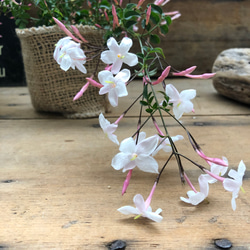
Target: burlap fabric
[[51, 89]]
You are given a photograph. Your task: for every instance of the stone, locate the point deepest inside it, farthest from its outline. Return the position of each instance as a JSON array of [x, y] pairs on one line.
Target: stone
[[232, 79]]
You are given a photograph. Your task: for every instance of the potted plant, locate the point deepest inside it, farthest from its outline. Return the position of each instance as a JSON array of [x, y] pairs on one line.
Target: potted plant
[[51, 89]]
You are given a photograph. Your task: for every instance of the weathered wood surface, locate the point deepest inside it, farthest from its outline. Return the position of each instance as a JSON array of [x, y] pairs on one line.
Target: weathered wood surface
[[58, 191], [204, 29]]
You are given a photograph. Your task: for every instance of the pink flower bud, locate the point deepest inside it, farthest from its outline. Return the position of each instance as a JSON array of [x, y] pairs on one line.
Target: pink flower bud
[[203, 76], [106, 15], [148, 15], [80, 93], [186, 71], [163, 75], [115, 18], [140, 3], [94, 83], [77, 32], [98, 26], [65, 30], [126, 182]]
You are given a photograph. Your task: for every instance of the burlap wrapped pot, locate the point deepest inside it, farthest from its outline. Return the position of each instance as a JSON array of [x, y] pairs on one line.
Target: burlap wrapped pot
[[51, 89]]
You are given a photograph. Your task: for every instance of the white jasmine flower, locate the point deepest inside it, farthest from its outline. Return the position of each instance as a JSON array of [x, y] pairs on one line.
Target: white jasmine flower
[[141, 209], [195, 198], [108, 128], [181, 101], [235, 184], [165, 144], [69, 54], [59, 46], [115, 86], [118, 54], [133, 154]]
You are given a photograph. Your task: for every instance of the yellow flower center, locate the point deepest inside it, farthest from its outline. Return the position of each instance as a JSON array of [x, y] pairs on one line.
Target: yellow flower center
[[120, 56], [134, 156], [111, 83], [179, 104]]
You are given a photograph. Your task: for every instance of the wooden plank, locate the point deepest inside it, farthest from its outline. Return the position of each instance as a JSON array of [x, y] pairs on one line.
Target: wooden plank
[[58, 191], [15, 102]]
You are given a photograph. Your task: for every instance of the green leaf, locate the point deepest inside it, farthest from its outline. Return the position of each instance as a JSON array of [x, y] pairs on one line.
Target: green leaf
[[152, 72], [105, 4], [154, 39], [140, 55], [131, 14], [164, 104], [157, 50], [131, 5], [150, 99], [168, 20], [155, 18], [143, 103], [130, 23], [164, 29], [155, 106], [149, 110], [156, 8]]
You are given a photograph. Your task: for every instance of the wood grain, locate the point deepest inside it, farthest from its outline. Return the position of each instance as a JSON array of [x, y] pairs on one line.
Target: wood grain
[[58, 190]]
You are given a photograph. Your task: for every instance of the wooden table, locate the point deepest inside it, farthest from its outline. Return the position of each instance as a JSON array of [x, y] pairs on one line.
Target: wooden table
[[58, 190]]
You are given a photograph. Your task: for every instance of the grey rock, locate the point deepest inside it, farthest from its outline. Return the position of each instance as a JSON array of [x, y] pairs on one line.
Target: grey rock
[[232, 79]]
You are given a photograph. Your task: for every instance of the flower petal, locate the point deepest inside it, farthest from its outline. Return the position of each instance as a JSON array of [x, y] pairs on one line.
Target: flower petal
[[113, 45], [121, 89], [104, 76], [123, 75], [147, 164], [204, 187], [130, 59], [241, 168], [128, 210], [66, 62], [188, 94], [120, 160], [154, 216], [113, 98], [116, 66], [125, 45], [178, 111], [230, 185], [139, 203], [172, 92], [127, 146], [108, 57], [148, 145]]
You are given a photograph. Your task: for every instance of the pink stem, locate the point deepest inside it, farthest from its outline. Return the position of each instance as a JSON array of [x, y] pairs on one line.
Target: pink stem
[[190, 183], [118, 120], [214, 160], [219, 178], [148, 201], [158, 129]]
